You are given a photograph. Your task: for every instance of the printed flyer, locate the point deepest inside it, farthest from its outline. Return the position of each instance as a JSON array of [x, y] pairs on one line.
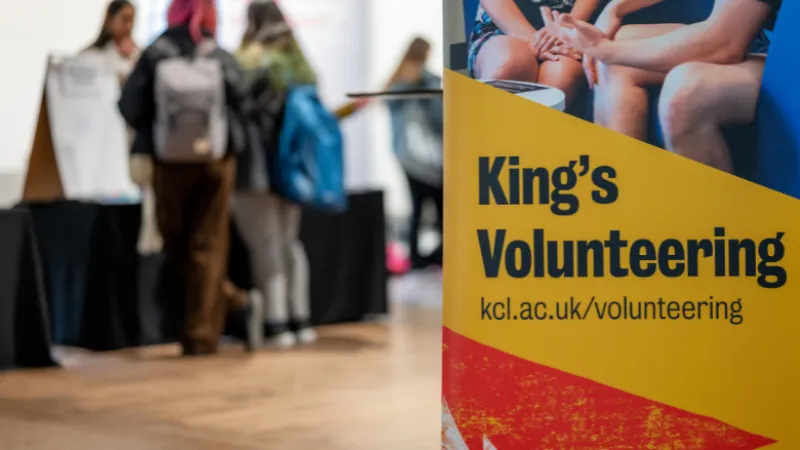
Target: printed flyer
[[621, 225]]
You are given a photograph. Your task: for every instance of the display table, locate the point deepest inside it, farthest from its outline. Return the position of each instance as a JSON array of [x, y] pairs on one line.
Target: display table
[[347, 260], [24, 324], [88, 252], [104, 296]]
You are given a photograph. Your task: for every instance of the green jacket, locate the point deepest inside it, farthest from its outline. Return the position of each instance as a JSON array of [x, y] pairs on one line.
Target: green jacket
[[286, 65]]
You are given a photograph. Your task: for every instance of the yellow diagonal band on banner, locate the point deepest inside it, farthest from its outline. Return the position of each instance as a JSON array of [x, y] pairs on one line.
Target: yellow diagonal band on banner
[[744, 374]]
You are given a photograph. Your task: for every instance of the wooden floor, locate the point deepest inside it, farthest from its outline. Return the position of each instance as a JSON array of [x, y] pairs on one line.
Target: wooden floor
[[367, 386]]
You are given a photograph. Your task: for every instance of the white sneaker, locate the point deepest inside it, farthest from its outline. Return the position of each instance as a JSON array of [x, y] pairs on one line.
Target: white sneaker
[[283, 341], [306, 336]]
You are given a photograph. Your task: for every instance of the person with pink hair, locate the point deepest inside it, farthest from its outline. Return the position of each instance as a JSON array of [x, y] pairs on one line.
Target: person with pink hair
[[193, 194], [199, 15]]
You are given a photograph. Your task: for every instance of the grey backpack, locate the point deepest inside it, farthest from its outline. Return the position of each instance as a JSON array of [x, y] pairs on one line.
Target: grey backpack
[[191, 116]]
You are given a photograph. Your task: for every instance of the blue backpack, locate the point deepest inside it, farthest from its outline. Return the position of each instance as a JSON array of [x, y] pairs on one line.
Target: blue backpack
[[308, 167]]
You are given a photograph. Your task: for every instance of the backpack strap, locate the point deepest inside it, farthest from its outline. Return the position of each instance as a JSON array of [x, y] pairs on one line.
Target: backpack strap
[[166, 46], [205, 48]]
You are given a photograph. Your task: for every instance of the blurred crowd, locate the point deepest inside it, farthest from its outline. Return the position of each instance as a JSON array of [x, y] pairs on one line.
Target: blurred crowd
[[208, 133]]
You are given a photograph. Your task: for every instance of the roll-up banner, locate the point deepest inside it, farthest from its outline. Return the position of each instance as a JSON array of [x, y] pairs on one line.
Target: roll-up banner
[[622, 225], [339, 58]]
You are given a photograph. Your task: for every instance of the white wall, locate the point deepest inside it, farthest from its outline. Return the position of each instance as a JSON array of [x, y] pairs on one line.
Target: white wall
[[23, 41], [394, 23], [29, 30]]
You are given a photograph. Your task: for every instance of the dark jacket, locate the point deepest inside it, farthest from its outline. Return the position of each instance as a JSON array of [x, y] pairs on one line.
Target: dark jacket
[[137, 102], [433, 108], [269, 72]]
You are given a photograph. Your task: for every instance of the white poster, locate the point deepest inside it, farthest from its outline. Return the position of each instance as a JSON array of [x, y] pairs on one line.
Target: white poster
[[89, 136]]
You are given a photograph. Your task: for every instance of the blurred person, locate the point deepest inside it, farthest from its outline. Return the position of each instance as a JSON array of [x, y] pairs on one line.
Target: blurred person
[[710, 72], [115, 37], [508, 44], [115, 41], [268, 223], [193, 198], [411, 73]]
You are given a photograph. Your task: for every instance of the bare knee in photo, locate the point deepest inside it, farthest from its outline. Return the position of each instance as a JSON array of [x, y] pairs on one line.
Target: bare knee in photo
[[565, 74], [699, 99], [506, 58], [621, 102]]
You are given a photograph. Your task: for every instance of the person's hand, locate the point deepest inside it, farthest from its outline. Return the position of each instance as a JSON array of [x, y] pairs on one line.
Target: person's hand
[[141, 169], [590, 70], [561, 50], [581, 36], [547, 37], [126, 47], [609, 22]]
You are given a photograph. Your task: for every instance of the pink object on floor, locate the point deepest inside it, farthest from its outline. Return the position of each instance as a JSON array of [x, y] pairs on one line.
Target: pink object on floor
[[397, 261]]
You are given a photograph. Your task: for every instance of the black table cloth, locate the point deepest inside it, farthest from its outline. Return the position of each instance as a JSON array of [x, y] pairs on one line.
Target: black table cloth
[[24, 325], [103, 295], [347, 260], [91, 266]]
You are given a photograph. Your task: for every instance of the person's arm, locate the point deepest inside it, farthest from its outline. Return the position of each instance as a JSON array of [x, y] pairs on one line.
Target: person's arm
[[723, 38], [622, 8], [349, 108], [582, 10], [585, 9], [137, 103], [235, 85], [236, 100], [508, 17], [303, 72], [610, 19]]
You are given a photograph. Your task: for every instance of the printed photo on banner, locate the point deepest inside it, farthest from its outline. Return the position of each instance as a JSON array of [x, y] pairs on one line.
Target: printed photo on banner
[[685, 75]]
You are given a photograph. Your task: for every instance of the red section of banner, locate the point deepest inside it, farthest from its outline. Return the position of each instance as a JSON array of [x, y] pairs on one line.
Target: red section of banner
[[520, 405]]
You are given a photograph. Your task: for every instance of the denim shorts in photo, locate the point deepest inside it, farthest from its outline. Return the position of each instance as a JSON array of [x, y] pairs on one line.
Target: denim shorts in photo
[[760, 45]]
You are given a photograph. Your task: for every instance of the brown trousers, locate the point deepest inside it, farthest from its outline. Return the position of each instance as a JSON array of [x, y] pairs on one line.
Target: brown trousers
[[193, 210]]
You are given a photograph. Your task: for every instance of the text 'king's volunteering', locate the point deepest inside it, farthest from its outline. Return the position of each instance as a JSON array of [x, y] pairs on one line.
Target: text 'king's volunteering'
[[611, 255]]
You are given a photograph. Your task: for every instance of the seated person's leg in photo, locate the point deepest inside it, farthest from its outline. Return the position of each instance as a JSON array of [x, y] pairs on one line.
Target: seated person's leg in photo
[[507, 43], [711, 73], [621, 101], [699, 99]]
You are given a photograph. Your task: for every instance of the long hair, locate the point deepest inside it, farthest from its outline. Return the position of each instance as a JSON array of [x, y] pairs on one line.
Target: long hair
[[265, 23], [200, 15], [416, 53], [114, 8]]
